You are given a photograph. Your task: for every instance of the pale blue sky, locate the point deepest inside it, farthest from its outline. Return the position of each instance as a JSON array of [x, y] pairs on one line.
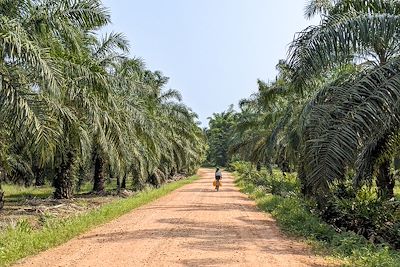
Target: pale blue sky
[[213, 50]]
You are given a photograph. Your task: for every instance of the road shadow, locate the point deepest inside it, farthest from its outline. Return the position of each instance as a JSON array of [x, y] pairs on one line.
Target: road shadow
[[200, 207], [195, 190], [211, 237], [184, 231], [206, 262], [204, 234]]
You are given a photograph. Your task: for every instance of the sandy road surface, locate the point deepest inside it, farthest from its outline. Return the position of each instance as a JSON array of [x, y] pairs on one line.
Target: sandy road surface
[[193, 226]]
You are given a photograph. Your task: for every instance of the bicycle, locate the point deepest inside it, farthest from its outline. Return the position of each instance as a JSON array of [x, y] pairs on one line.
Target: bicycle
[[217, 184]]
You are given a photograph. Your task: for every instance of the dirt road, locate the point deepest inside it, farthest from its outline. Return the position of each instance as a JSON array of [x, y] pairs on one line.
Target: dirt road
[[193, 226]]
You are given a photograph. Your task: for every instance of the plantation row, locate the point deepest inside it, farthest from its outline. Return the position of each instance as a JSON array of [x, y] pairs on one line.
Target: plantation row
[[74, 107], [332, 116]]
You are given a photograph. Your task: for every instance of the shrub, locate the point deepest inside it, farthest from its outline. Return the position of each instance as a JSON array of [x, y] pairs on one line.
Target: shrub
[[364, 213], [274, 183], [300, 217]]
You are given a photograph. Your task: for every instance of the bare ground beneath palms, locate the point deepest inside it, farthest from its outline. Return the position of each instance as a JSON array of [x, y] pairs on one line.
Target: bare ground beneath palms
[[193, 226]]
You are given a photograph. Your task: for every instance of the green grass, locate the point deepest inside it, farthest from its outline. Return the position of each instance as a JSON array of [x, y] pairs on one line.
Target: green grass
[[397, 190], [295, 219], [22, 241], [15, 192], [88, 187]]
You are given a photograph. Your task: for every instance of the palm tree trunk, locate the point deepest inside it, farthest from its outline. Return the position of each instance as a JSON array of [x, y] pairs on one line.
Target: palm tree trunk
[[39, 177], [118, 184], [136, 179], [123, 185], [63, 182], [2, 174], [110, 174], [258, 166], [1, 198], [81, 177], [396, 163], [173, 172], [39, 180], [98, 185], [385, 181], [306, 188]]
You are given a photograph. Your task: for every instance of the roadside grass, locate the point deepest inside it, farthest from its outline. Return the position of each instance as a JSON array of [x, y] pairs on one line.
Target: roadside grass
[[295, 219], [15, 193], [88, 187], [21, 241]]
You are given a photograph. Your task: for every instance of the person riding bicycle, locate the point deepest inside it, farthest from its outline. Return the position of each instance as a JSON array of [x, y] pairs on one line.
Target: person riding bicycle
[[218, 176]]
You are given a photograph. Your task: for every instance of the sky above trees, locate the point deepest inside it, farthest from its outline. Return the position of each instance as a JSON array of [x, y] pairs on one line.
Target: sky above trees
[[214, 51]]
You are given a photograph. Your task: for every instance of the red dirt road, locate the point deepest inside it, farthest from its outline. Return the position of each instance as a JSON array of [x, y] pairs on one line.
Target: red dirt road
[[193, 226]]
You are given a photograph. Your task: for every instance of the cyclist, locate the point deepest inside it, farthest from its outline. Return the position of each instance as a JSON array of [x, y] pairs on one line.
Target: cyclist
[[218, 176]]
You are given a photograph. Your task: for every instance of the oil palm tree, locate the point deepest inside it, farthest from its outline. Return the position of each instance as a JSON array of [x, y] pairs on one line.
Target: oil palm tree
[[221, 126], [66, 94], [268, 125], [340, 122]]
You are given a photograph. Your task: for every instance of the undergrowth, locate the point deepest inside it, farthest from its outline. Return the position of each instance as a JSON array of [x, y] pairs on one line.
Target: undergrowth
[[279, 195]]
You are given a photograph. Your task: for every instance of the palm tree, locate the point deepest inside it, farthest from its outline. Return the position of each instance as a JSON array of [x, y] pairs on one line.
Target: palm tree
[[340, 121], [220, 131], [25, 68], [268, 127], [66, 94]]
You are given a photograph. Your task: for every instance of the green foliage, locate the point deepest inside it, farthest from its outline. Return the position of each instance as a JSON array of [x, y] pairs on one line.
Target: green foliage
[[353, 119], [331, 113], [219, 135], [266, 132], [274, 183], [333, 107], [362, 212], [294, 215], [17, 192], [397, 192], [20, 241], [73, 105]]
